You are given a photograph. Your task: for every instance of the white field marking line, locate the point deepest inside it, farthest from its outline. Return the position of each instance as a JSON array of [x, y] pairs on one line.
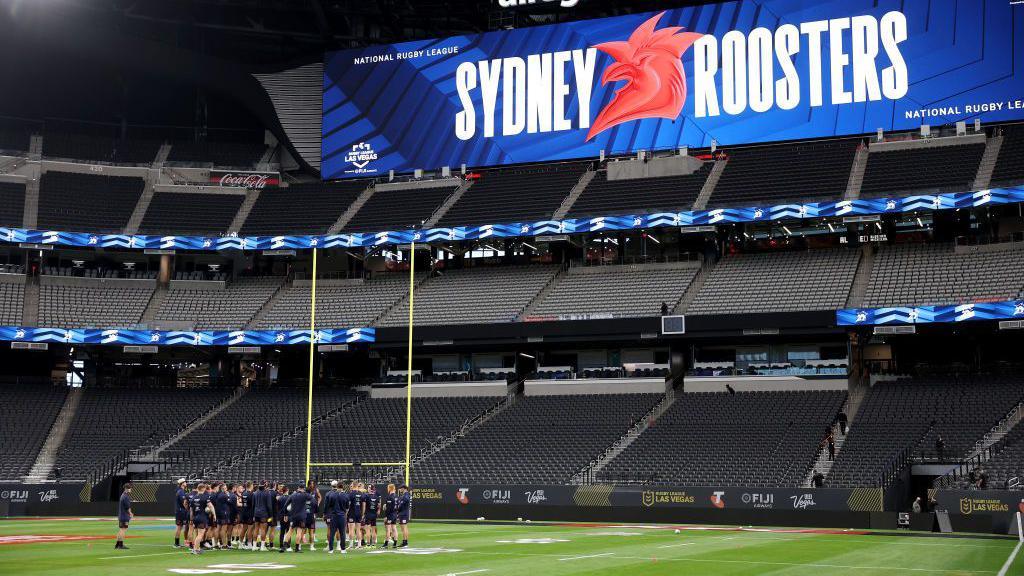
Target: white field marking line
[[178, 552], [677, 545], [904, 540], [889, 569], [467, 572], [1009, 561], [587, 556]]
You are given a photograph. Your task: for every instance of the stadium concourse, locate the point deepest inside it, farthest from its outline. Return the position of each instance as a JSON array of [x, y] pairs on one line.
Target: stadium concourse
[[255, 297]]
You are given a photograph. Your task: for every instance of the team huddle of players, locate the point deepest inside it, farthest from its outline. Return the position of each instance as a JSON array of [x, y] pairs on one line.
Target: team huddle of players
[[221, 516]]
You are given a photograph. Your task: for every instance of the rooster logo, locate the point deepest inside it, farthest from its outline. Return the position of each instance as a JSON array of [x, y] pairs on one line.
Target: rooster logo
[[650, 63]]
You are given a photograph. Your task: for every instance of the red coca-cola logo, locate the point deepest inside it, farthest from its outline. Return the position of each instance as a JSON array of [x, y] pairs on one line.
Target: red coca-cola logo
[[251, 181]]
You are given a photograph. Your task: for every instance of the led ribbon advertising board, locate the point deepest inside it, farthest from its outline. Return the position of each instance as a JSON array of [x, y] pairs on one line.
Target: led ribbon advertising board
[[740, 72]]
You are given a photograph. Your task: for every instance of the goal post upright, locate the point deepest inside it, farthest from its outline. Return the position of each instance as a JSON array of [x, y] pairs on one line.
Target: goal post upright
[[312, 358], [408, 372]]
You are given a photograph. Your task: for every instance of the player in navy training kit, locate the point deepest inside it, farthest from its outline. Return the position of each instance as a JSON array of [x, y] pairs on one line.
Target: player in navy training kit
[[297, 516], [221, 503], [282, 515], [181, 513], [262, 505], [355, 515], [404, 507], [124, 516], [235, 507], [370, 520], [312, 509], [334, 518], [389, 509], [247, 513], [202, 514]]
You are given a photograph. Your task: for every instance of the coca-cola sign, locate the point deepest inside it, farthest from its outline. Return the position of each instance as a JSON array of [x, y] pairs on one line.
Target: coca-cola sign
[[249, 180]]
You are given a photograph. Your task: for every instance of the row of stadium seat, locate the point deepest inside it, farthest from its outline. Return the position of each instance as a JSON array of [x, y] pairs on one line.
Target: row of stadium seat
[[753, 175]]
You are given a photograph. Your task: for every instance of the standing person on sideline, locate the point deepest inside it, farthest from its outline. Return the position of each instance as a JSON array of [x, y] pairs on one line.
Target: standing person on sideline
[[818, 480], [202, 514], [404, 513], [355, 514], [124, 516], [917, 505], [181, 513], [390, 517], [282, 516], [263, 504], [296, 517], [312, 509], [333, 518], [372, 508], [940, 447], [843, 421], [342, 512]]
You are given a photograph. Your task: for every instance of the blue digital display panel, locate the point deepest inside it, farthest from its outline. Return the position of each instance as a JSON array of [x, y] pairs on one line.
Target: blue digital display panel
[[183, 338], [776, 213], [746, 71], [1010, 310]]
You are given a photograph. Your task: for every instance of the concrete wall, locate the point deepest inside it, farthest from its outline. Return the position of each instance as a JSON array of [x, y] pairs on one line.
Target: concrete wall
[[762, 383], [653, 168], [595, 386], [443, 389]]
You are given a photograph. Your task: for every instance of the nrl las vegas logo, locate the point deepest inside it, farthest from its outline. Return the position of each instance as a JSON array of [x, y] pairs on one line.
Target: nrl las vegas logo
[[650, 63], [361, 155]]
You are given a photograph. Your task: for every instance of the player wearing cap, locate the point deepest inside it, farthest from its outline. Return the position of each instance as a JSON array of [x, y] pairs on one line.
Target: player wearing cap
[[181, 512]]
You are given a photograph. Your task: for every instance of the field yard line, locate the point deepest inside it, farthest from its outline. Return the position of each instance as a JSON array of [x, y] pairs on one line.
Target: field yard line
[[755, 562], [1009, 561], [142, 555], [467, 572], [587, 556], [677, 545]]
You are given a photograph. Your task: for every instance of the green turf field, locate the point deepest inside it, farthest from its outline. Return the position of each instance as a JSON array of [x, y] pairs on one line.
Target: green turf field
[[441, 549]]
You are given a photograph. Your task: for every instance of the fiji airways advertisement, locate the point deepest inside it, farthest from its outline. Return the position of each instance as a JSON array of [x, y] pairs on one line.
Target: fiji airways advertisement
[[739, 72]]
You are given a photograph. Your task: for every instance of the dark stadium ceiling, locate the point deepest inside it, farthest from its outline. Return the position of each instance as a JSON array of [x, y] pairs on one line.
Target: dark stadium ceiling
[[268, 32]]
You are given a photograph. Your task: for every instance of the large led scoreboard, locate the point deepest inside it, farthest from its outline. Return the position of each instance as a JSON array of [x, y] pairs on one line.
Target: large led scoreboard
[[747, 71]]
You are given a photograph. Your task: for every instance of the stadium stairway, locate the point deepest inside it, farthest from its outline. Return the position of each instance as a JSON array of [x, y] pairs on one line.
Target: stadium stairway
[[35, 147], [860, 163], [987, 165], [542, 295], [169, 443], [251, 196], [31, 219], [48, 453], [447, 204], [862, 279], [588, 474], [156, 301], [135, 220], [353, 209], [709, 185], [161, 155], [268, 305], [585, 179], [694, 288], [30, 314]]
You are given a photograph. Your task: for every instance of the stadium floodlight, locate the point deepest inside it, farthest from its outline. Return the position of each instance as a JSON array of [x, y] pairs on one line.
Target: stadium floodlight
[[524, 355]]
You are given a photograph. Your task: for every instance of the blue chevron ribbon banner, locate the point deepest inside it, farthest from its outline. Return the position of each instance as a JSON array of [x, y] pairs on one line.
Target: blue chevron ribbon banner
[[183, 338], [737, 72], [1011, 310], [782, 212]]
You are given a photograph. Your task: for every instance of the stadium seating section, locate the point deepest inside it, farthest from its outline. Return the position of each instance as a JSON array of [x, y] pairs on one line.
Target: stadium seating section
[[92, 307], [467, 296], [398, 209], [12, 303], [29, 412], [1008, 462], [943, 168], [778, 282], [110, 199], [193, 214], [228, 309], [524, 194], [604, 197], [300, 208], [112, 420], [815, 172], [12, 204], [94, 148], [900, 419], [259, 416], [372, 430], [924, 274], [617, 291], [349, 303], [719, 439], [539, 439], [1009, 169]]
